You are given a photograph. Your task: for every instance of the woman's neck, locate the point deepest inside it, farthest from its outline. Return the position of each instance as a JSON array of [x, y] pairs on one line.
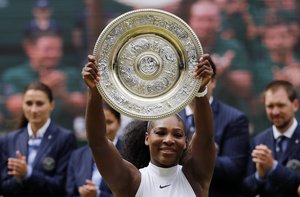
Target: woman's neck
[[36, 127]]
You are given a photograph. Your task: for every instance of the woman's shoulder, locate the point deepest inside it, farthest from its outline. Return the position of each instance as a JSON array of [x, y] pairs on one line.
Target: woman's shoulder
[[14, 134], [60, 133]]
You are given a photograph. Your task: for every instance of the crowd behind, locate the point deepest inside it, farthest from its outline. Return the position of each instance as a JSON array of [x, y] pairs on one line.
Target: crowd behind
[[252, 43]]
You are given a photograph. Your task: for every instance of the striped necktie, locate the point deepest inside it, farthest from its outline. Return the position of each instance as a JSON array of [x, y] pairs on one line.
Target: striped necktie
[[280, 146]]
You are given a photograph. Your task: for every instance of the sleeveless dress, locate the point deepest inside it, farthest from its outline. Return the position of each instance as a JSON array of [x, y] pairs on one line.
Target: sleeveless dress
[[164, 182]]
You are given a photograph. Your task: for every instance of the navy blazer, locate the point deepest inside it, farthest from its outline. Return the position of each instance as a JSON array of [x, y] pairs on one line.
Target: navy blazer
[[81, 168], [50, 165], [231, 130], [285, 179]]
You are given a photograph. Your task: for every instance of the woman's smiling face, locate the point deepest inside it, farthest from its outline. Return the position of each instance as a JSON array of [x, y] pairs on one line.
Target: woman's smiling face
[[167, 141]]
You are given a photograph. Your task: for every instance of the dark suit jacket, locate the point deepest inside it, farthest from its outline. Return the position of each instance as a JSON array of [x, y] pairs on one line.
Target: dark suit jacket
[[285, 179], [80, 168], [49, 167], [232, 139]]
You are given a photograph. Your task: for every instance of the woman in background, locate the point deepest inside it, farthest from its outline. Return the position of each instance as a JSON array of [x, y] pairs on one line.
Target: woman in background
[[84, 178], [36, 155]]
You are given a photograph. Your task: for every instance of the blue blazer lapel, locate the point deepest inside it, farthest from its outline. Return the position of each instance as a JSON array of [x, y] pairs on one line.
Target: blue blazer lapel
[[84, 166], [119, 144], [182, 115], [215, 106], [88, 163], [22, 142], [269, 141], [293, 144]]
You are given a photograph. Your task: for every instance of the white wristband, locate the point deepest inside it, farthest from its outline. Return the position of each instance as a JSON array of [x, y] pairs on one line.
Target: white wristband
[[203, 93]]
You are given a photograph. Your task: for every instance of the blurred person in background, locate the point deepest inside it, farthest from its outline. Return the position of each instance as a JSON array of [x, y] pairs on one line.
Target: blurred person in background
[[265, 10], [84, 178], [234, 73], [279, 55], [45, 51], [262, 12], [279, 62], [36, 155], [237, 22], [42, 20], [231, 128], [274, 162], [13, 106], [87, 27]]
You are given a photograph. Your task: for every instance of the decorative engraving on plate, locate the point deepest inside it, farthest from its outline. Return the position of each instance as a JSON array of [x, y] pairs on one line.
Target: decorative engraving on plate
[[148, 66], [146, 60]]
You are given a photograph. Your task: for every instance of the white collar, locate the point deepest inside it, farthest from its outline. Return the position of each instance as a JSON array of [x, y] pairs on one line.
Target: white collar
[[211, 99], [40, 132], [288, 133], [188, 111], [165, 172], [115, 140]]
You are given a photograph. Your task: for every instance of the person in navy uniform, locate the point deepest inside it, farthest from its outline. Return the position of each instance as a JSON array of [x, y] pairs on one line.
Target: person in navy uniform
[[36, 155], [84, 178], [274, 163]]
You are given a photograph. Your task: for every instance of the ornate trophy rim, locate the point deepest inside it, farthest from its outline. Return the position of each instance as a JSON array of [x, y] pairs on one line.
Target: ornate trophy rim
[[146, 59]]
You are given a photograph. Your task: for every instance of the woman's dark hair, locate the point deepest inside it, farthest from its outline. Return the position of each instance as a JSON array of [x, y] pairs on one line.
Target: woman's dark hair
[[112, 110], [36, 85], [134, 149], [178, 117]]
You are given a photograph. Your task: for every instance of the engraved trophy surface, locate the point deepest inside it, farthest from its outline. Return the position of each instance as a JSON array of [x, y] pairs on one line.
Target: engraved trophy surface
[[146, 60]]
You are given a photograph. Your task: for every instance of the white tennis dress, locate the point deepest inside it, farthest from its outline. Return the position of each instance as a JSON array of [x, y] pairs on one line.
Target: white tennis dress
[[164, 182]]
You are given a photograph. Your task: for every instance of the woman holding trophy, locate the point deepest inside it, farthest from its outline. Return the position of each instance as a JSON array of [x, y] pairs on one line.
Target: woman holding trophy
[[166, 140]]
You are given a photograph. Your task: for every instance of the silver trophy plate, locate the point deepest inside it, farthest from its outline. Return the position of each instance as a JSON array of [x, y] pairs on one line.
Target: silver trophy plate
[[146, 60]]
